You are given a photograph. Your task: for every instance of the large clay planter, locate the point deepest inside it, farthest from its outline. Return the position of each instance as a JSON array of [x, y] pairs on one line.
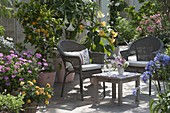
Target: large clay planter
[[31, 108], [46, 77], [60, 71]]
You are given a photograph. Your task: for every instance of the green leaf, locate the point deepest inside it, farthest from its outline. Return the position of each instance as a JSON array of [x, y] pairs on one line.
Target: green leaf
[[96, 40], [100, 48]]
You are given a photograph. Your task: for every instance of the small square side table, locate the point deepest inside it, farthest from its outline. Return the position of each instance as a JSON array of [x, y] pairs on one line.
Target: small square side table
[[114, 78]]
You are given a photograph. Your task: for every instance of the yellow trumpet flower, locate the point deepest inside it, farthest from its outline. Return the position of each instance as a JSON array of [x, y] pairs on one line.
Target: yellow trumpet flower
[[112, 40], [22, 83], [48, 85], [28, 101], [103, 23], [114, 34], [34, 81], [101, 33], [82, 27], [46, 102]]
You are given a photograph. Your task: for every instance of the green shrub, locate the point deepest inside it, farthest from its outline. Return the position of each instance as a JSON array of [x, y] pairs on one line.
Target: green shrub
[[11, 103]]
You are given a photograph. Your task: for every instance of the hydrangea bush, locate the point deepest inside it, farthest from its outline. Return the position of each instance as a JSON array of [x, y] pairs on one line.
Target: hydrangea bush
[[16, 67]]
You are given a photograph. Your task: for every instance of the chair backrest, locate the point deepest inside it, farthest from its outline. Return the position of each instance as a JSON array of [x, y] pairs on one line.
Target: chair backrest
[[69, 46], [144, 47]]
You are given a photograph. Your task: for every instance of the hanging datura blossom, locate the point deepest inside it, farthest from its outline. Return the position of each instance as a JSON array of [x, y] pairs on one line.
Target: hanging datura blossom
[[100, 14], [66, 20], [87, 1], [70, 27]]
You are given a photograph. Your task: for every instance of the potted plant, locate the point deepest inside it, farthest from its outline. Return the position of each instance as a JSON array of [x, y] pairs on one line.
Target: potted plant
[[120, 63], [35, 95], [42, 30], [159, 69], [10, 103], [16, 67]]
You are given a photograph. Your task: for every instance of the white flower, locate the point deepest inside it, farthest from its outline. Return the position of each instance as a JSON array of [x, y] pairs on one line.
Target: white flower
[[100, 14], [65, 20], [87, 1], [117, 4], [70, 27]]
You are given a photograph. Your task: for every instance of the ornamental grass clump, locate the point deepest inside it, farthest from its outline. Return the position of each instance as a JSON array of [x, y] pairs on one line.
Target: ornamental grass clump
[[159, 68]]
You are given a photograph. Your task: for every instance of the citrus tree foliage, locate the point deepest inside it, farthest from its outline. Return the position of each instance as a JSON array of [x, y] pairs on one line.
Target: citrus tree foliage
[[5, 12]]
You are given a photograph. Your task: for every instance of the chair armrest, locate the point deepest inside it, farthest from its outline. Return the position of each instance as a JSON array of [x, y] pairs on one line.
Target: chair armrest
[[125, 54], [153, 54], [74, 60], [97, 58]]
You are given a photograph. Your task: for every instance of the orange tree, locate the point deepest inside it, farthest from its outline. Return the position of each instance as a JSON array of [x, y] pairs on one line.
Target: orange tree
[[41, 28]]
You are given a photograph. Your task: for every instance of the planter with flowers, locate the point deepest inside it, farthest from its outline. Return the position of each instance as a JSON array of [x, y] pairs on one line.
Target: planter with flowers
[[120, 63], [19, 73], [158, 68], [34, 94]]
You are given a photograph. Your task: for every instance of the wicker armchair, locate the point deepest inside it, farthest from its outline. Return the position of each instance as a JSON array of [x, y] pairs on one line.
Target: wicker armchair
[[83, 70], [145, 50]]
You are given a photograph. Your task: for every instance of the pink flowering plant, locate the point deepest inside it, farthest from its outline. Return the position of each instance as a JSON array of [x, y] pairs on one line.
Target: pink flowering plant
[[119, 61], [19, 67], [151, 25]]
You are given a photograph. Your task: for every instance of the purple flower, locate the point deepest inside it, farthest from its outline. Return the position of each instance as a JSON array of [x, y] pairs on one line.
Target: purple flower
[[39, 63], [15, 71], [15, 66], [30, 61], [25, 53], [7, 83], [13, 76], [7, 68], [38, 55], [4, 71], [145, 77], [6, 78], [45, 64], [150, 66], [134, 91], [29, 71], [1, 55], [13, 55], [1, 67], [11, 51], [21, 79], [17, 63], [9, 57], [44, 60]]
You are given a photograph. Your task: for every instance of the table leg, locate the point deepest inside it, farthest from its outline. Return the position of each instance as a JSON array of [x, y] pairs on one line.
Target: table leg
[[95, 90], [113, 90], [138, 91], [120, 93]]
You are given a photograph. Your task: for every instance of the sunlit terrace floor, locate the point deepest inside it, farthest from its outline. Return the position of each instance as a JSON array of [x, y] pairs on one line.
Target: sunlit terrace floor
[[71, 102]]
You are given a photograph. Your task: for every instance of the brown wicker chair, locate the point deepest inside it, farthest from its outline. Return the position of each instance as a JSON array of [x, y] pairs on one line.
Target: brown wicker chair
[[145, 50], [83, 70]]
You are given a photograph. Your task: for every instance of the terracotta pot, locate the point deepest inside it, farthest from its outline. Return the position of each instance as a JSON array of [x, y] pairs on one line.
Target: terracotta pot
[[31, 108], [46, 77]]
